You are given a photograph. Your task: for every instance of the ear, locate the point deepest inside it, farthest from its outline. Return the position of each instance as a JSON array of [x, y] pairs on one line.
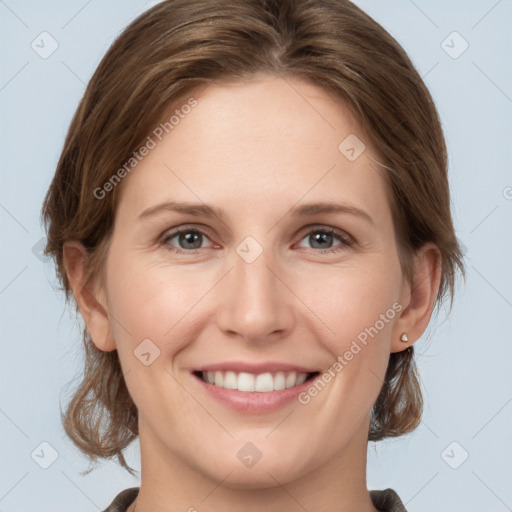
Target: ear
[[418, 298], [89, 296]]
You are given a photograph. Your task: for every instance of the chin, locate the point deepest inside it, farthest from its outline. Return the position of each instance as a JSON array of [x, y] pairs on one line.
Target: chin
[[267, 472], [267, 476]]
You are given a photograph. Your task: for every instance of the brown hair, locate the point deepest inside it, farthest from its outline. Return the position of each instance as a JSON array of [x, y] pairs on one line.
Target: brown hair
[[180, 44]]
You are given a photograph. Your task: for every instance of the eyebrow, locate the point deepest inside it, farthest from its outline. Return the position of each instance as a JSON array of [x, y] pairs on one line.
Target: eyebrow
[[204, 210]]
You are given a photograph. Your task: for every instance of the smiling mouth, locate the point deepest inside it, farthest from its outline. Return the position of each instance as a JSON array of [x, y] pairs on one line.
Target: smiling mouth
[[250, 382]]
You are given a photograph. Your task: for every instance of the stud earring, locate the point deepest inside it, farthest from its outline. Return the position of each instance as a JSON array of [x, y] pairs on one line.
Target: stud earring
[[404, 338]]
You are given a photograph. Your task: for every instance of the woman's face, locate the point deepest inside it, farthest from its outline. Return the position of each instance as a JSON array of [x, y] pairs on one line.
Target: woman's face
[[265, 286]]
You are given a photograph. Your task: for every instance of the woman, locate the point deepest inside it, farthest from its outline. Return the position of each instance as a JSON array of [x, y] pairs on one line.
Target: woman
[[252, 213]]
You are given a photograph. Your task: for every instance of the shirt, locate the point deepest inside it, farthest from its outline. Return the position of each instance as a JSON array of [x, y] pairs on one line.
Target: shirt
[[386, 500]]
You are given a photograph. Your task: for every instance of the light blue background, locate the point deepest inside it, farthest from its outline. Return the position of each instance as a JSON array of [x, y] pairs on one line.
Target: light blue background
[[465, 360]]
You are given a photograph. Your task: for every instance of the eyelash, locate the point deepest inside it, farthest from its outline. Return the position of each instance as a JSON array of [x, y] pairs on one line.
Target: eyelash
[[346, 239]]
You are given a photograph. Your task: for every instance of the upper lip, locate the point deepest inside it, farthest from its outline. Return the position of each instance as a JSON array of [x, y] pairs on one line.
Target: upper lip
[[255, 368]]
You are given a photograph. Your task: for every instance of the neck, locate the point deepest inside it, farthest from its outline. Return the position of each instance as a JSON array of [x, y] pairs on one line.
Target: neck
[[169, 483]]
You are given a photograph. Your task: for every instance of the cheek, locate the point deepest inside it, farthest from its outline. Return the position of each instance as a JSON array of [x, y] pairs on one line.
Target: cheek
[[153, 301], [357, 302]]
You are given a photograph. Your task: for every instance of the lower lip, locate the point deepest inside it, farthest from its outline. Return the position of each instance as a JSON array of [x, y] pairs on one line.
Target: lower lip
[[254, 402]]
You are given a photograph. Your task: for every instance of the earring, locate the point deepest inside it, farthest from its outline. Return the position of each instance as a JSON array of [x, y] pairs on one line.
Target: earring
[[404, 338]]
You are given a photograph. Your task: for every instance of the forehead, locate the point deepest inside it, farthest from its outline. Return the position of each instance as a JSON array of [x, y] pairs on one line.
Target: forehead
[[256, 143]]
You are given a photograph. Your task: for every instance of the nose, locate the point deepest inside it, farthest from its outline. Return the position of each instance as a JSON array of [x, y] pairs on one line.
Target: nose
[[256, 304]]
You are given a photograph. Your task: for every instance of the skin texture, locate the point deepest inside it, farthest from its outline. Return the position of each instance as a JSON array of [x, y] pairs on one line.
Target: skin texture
[[256, 150]]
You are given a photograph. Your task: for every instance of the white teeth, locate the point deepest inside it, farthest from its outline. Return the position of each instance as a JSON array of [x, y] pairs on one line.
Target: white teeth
[[290, 380], [301, 378], [262, 383], [230, 380], [279, 381], [245, 382]]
